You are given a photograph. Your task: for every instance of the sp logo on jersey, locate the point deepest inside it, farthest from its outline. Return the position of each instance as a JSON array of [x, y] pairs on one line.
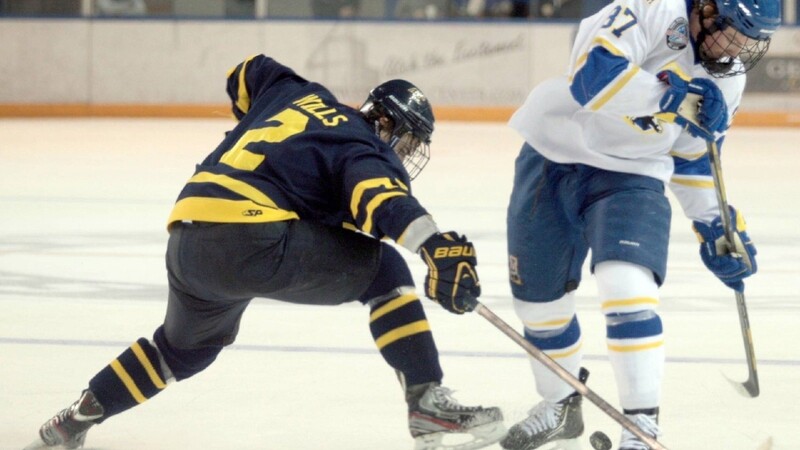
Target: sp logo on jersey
[[678, 34]]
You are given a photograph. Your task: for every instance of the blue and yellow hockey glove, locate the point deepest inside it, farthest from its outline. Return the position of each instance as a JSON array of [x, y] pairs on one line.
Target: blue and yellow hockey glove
[[696, 105], [452, 280], [730, 267]]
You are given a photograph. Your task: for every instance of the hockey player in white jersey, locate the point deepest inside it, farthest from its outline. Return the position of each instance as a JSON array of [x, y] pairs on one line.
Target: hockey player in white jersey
[[649, 82]]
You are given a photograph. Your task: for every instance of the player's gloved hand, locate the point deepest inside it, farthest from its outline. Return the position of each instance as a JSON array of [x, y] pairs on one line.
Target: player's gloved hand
[[729, 266], [452, 280], [696, 105]]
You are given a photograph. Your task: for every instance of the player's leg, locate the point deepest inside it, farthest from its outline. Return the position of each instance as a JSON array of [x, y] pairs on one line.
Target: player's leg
[[628, 230], [194, 331], [546, 252], [403, 336]]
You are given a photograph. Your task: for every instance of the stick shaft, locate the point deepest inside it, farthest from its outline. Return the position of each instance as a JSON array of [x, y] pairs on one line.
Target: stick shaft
[[570, 379], [751, 385]]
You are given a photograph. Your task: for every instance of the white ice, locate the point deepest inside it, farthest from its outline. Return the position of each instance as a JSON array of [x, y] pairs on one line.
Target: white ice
[[83, 204]]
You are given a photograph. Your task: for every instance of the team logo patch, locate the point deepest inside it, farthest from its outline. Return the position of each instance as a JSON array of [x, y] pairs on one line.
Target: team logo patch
[[678, 34], [417, 96]]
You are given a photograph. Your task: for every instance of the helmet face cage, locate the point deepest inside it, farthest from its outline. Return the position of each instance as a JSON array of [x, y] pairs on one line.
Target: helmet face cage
[[414, 153], [740, 52], [411, 130], [749, 51]]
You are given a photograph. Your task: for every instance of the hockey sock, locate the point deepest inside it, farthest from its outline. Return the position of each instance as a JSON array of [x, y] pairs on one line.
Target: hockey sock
[[403, 336], [634, 331], [134, 377], [552, 327], [564, 346]]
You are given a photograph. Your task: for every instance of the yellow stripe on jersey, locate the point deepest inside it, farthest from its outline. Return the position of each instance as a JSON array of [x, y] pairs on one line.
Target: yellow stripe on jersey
[[629, 302], [234, 185], [693, 182], [218, 210], [605, 43], [128, 381], [674, 67], [687, 156], [373, 204], [636, 347], [602, 42], [358, 192], [413, 328], [242, 96], [610, 92], [148, 366]]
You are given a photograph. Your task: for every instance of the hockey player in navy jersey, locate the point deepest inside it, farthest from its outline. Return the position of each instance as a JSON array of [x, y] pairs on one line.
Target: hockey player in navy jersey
[[601, 143], [292, 205]]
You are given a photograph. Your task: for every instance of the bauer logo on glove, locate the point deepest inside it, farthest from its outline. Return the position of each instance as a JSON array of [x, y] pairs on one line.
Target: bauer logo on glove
[[452, 280]]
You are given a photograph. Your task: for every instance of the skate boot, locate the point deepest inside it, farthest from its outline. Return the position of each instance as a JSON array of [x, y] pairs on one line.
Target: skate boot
[[69, 427], [647, 420], [435, 416], [547, 422]]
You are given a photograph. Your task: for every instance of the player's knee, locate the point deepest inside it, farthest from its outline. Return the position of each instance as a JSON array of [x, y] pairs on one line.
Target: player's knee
[[629, 296], [620, 284], [183, 363], [393, 275], [546, 317]]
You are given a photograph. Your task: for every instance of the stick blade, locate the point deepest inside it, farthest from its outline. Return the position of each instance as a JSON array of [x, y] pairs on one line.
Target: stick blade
[[749, 388]]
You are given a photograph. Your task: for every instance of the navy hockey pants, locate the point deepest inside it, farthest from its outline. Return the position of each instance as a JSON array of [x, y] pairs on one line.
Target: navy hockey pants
[[558, 212]]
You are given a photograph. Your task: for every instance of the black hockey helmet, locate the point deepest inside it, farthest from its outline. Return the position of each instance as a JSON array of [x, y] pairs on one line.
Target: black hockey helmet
[[412, 121]]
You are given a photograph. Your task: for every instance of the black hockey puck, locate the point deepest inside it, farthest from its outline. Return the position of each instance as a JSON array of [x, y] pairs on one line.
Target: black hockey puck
[[600, 441]]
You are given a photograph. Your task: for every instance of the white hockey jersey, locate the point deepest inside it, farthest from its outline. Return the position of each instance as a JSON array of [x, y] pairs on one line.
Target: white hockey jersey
[[602, 112]]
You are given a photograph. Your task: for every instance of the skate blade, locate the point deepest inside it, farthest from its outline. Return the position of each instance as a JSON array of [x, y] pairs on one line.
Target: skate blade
[[482, 436], [566, 444]]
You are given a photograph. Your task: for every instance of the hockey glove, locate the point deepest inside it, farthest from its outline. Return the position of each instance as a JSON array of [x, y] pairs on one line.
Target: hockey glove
[[696, 105], [731, 265], [451, 280]]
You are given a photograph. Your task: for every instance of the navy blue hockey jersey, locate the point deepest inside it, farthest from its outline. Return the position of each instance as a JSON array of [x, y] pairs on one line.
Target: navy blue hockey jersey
[[297, 153]]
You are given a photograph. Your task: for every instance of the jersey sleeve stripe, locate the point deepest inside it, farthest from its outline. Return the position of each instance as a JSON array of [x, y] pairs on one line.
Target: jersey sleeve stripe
[[597, 76], [242, 95], [373, 205], [359, 190], [616, 88], [699, 166], [687, 156], [703, 183]]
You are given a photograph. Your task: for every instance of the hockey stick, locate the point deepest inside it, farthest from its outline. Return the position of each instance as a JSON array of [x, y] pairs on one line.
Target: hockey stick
[[570, 379], [750, 387]]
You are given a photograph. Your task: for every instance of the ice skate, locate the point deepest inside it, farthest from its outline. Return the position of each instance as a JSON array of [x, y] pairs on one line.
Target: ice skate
[[547, 422], [68, 428], [648, 422], [437, 421]]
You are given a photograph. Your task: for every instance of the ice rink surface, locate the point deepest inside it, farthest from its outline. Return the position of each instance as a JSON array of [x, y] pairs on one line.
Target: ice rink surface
[[83, 205]]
